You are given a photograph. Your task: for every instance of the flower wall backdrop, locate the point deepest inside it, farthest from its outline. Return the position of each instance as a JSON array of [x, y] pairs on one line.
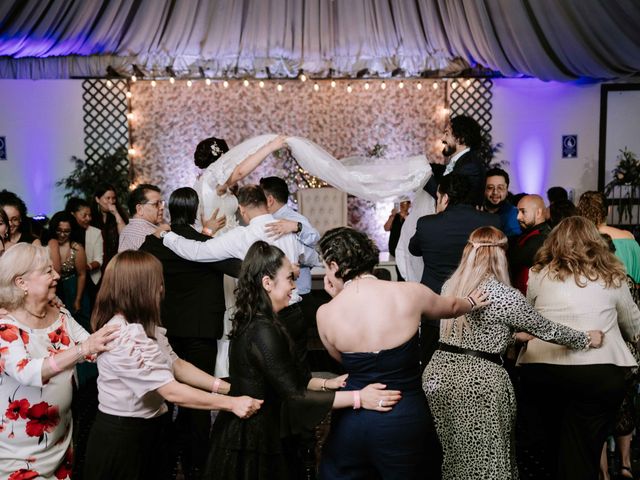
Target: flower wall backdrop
[[168, 120]]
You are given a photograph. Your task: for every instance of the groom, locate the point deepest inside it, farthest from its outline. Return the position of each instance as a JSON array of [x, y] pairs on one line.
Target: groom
[[461, 139]]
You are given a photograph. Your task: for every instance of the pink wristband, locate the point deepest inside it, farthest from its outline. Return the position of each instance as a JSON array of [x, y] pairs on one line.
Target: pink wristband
[[54, 366], [356, 399], [216, 385]]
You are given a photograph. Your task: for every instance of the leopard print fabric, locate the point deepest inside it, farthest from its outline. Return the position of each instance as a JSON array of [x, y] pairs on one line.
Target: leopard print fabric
[[472, 399]]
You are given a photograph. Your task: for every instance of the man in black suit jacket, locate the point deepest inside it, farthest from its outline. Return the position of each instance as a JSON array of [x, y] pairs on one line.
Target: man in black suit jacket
[[440, 240], [192, 312], [462, 139]]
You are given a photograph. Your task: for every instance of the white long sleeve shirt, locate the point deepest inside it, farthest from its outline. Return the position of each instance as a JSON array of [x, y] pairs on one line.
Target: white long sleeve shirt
[[236, 242]]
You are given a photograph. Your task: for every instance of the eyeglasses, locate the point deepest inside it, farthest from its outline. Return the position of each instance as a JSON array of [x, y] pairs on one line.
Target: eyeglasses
[[158, 204], [63, 231], [499, 188]]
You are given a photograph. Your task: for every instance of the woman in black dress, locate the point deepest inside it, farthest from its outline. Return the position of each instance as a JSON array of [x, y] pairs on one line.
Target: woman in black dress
[[262, 366]]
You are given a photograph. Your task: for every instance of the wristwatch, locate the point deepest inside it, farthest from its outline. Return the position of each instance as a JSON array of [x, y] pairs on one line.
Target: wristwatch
[[299, 227]]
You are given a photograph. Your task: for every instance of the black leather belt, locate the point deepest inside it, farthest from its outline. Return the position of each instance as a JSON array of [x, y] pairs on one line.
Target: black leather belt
[[492, 357]]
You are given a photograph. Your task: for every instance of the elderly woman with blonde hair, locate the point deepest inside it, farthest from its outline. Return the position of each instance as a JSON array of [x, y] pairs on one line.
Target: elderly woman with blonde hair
[[570, 398], [469, 392], [40, 344]]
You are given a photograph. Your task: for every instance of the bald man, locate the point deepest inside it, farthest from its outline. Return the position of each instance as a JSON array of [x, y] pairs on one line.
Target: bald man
[[531, 217]]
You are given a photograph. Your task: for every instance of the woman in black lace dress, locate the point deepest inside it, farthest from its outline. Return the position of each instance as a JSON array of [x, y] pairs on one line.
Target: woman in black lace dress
[[261, 365]]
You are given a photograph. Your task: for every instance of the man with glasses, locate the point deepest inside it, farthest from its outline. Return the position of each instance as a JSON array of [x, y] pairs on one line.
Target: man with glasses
[[146, 208], [495, 201]]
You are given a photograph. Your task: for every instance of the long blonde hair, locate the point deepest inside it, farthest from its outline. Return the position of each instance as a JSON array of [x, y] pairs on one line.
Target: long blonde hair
[[484, 256], [575, 247]]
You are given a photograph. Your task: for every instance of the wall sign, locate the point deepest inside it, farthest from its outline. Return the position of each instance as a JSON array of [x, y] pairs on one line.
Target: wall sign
[[569, 146]]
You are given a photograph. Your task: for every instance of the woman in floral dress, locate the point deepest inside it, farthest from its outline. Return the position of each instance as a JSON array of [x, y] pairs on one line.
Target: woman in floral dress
[[39, 346]]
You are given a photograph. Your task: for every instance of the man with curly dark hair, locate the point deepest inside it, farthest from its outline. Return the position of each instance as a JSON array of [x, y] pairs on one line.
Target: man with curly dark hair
[[462, 140]]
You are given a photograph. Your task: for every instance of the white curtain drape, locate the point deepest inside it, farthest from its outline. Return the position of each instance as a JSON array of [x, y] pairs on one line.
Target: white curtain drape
[[548, 39]]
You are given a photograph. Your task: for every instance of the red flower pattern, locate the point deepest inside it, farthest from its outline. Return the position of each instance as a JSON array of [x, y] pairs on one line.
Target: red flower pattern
[[43, 418], [64, 469], [8, 332], [23, 474], [59, 335], [25, 336], [22, 363], [17, 409]]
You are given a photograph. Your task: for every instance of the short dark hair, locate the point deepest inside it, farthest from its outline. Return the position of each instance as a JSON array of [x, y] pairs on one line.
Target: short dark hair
[[252, 196], [75, 203], [204, 154], [351, 250], [467, 131], [276, 187], [560, 210], [183, 206], [555, 194], [498, 172], [139, 195], [458, 189]]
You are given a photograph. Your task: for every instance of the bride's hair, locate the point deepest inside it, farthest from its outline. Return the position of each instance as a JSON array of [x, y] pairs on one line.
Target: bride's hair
[[208, 151], [484, 256]]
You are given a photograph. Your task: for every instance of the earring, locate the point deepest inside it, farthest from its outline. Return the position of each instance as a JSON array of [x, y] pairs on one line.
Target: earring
[[26, 292]]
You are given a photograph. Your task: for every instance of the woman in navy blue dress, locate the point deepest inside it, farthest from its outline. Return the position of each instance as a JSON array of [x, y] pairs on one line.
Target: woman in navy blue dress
[[371, 327]]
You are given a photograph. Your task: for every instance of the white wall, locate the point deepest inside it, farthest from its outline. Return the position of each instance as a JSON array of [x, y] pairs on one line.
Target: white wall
[[530, 117], [43, 126]]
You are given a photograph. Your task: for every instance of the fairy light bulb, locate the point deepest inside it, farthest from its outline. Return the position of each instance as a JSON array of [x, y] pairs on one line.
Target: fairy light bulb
[[435, 85], [134, 78], [467, 83], [279, 87], [366, 86], [189, 83], [454, 84], [153, 83], [225, 84], [172, 80], [401, 84], [316, 87], [419, 86], [383, 85], [130, 116], [349, 88], [333, 84], [261, 84], [208, 81], [132, 151], [303, 78], [109, 83], [128, 94], [245, 82]]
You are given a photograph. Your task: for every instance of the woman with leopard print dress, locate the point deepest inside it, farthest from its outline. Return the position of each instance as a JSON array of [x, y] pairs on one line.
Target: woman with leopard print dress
[[469, 392]]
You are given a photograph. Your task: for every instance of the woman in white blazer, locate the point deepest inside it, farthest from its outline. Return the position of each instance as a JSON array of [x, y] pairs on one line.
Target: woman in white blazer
[[569, 399]]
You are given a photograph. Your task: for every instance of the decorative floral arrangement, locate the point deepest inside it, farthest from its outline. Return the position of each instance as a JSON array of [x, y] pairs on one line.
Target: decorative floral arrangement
[[627, 172], [626, 176]]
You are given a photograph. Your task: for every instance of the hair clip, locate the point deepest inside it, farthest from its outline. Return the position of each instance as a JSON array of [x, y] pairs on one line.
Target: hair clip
[[215, 149]]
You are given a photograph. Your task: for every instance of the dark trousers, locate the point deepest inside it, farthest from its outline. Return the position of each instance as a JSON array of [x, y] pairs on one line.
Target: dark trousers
[[127, 448], [565, 413], [192, 427]]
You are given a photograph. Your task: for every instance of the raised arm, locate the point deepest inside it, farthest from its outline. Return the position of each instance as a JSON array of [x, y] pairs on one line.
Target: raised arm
[[216, 249], [248, 165]]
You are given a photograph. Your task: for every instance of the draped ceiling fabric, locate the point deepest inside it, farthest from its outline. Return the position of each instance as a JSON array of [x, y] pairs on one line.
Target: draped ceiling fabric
[[560, 40]]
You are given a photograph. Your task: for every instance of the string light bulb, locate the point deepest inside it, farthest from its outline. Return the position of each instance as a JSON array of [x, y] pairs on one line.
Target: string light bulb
[[225, 84], [261, 84], [109, 83], [349, 89], [208, 81], [303, 77], [435, 85], [366, 85], [467, 82], [333, 84], [383, 85], [128, 94], [454, 84], [131, 151], [172, 80], [245, 82], [419, 86], [130, 116], [153, 83], [189, 83], [134, 78], [316, 87], [279, 87], [401, 84]]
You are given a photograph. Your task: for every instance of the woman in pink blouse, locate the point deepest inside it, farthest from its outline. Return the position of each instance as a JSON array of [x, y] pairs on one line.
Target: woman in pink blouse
[[40, 344], [129, 437]]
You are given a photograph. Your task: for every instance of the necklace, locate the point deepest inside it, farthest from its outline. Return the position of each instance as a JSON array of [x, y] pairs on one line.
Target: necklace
[[37, 315], [366, 275]]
